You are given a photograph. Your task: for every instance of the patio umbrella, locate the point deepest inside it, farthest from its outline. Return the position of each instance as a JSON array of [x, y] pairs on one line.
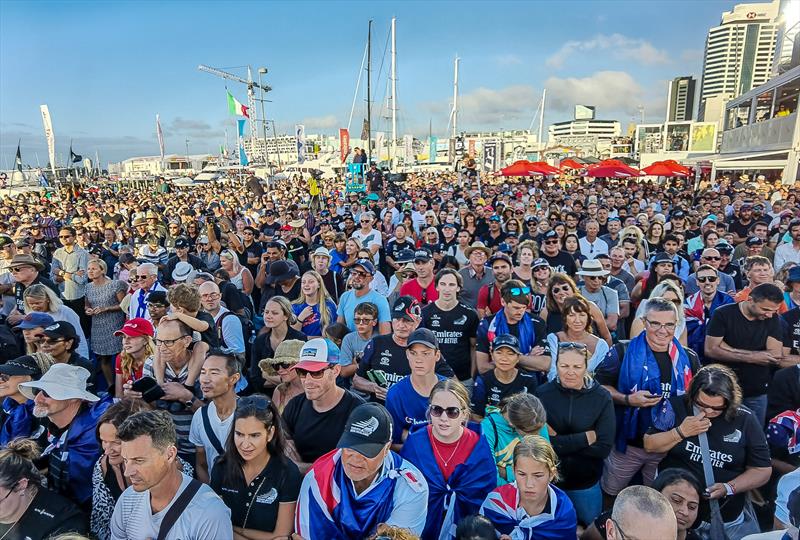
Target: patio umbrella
[[608, 171], [518, 168], [660, 168], [675, 166], [540, 167], [570, 163]]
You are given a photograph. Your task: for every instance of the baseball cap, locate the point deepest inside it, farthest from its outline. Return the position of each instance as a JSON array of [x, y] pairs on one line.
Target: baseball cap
[[448, 226], [406, 307], [423, 254], [724, 247], [539, 262], [754, 241], [202, 240], [368, 267], [24, 365], [550, 235], [136, 327], [321, 252], [707, 220], [181, 243], [405, 256], [313, 355], [499, 257], [367, 431], [423, 336], [61, 329], [662, 257], [508, 341], [35, 319]]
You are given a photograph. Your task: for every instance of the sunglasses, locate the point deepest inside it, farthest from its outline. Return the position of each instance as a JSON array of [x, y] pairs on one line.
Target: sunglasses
[[363, 320], [563, 288], [551, 242], [65, 236], [37, 391], [358, 273], [519, 291], [707, 279], [570, 345], [51, 341], [282, 365], [711, 258], [451, 412], [302, 373], [701, 405]]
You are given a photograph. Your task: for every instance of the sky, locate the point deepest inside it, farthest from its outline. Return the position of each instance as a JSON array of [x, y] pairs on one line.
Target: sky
[[105, 69]]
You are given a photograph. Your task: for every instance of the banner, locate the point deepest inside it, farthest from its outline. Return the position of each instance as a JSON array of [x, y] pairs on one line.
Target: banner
[[490, 157], [703, 137], [344, 144], [380, 139], [432, 143], [300, 138], [471, 148], [51, 138], [160, 135], [18, 158], [243, 161], [408, 144]]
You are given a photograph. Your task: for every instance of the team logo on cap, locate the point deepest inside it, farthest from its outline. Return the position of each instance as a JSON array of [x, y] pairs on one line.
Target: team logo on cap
[[365, 427], [310, 351], [52, 328]]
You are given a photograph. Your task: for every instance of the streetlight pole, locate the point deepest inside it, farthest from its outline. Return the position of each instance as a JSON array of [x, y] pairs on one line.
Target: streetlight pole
[[188, 162], [263, 70], [277, 147]]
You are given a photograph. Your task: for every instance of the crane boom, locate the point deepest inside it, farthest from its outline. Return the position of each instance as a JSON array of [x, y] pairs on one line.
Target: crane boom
[[231, 76]]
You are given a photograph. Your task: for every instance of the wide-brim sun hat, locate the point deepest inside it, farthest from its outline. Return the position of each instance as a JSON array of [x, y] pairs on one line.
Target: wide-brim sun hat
[[61, 382], [288, 352]]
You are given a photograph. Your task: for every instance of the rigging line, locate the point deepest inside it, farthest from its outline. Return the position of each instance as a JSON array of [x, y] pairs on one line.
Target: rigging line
[[383, 58], [358, 85]]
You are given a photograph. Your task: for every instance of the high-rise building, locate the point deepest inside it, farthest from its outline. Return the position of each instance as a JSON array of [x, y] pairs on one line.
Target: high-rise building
[[680, 101], [739, 52], [787, 50]]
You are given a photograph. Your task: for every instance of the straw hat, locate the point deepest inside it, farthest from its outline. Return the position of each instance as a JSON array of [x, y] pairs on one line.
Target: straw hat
[[477, 246], [288, 352]]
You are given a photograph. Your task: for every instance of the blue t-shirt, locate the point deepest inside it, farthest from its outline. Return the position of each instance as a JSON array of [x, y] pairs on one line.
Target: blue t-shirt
[[407, 407], [312, 326], [349, 301]]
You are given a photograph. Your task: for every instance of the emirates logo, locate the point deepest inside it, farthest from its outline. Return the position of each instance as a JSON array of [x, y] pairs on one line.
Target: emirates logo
[[751, 15]]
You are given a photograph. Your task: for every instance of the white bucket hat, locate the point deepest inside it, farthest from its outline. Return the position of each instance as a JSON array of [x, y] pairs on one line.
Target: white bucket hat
[[592, 267], [61, 382]]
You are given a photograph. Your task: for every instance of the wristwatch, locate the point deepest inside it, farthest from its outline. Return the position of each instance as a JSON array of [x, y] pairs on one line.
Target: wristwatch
[[189, 403]]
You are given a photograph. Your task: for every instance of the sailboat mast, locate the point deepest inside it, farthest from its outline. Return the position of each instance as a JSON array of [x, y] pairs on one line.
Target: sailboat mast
[[369, 93], [455, 100], [541, 122], [394, 96]]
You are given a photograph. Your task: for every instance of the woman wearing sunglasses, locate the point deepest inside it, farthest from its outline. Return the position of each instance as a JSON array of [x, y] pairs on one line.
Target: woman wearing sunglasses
[[581, 423], [560, 288], [286, 355], [16, 413], [27, 508], [254, 477], [455, 460], [532, 507], [739, 454], [577, 320]]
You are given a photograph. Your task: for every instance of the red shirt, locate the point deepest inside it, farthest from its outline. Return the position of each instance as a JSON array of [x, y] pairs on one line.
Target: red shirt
[[413, 288], [459, 450], [118, 370], [483, 299]]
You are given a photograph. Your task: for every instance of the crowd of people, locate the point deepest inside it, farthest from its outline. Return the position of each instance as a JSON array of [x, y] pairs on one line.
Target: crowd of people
[[442, 357]]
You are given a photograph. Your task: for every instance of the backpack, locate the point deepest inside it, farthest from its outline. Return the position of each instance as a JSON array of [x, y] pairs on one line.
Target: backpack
[[248, 333]]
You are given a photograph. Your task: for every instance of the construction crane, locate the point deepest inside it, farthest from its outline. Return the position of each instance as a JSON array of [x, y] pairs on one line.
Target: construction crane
[[251, 97]]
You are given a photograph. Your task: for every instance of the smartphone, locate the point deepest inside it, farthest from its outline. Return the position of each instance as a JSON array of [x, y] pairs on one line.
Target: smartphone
[[377, 376], [149, 387]]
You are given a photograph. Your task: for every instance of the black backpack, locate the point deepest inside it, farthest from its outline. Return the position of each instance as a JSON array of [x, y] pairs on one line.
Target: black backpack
[[248, 333], [10, 346]]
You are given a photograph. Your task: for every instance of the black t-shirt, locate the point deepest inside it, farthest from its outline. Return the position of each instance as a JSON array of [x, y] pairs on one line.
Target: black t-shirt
[[735, 271], [491, 241], [48, 515], [382, 353], [210, 335], [394, 247], [314, 433], [278, 483], [262, 348], [791, 330], [453, 329], [253, 250], [784, 391], [562, 263], [489, 392], [738, 332], [738, 228], [733, 445]]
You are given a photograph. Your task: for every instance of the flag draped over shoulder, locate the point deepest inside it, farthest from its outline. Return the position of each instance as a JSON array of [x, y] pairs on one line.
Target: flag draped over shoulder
[[558, 521], [235, 108], [460, 495], [328, 509]]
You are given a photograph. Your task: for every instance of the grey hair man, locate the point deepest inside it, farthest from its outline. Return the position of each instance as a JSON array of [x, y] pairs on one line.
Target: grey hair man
[[641, 512]]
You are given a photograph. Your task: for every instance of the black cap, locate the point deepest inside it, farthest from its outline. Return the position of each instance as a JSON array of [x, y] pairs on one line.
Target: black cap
[[754, 241], [550, 234], [181, 243], [24, 365], [423, 254], [367, 431], [662, 257], [158, 297], [423, 336], [678, 214], [406, 307], [724, 247], [61, 330], [506, 340], [500, 256], [405, 256]]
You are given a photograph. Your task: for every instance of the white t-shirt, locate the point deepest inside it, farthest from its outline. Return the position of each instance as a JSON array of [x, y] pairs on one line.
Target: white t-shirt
[[786, 485], [372, 238], [198, 436], [205, 518]]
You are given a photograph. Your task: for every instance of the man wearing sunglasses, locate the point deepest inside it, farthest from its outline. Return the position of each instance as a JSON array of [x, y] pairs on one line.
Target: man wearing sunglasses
[[68, 270], [594, 289], [489, 297], [25, 271], [147, 275], [711, 257], [361, 274], [315, 419], [701, 305], [60, 395], [422, 287], [560, 261]]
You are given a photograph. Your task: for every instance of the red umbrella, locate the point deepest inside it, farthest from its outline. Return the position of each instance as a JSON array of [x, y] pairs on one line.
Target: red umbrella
[[620, 165], [518, 168], [660, 168], [677, 167], [540, 167], [608, 171], [570, 163]]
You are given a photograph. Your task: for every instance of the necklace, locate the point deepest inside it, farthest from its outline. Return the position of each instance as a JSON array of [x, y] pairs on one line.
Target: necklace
[[18, 520], [445, 461]]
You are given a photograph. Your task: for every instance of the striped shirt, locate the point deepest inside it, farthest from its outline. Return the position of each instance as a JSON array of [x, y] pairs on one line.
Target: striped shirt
[[72, 262], [180, 413]]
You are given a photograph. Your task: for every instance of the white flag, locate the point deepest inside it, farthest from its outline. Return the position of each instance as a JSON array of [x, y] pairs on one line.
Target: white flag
[[160, 135], [300, 134], [51, 137]]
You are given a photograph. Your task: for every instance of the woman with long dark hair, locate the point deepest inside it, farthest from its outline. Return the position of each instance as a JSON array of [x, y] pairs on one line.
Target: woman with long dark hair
[[254, 477]]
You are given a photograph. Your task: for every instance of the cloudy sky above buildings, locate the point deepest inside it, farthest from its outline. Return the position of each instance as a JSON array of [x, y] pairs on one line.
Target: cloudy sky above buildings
[[106, 68]]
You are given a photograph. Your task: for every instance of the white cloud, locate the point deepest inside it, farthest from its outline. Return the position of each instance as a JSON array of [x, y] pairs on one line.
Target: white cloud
[[321, 122], [618, 46], [506, 106], [508, 59], [609, 91]]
